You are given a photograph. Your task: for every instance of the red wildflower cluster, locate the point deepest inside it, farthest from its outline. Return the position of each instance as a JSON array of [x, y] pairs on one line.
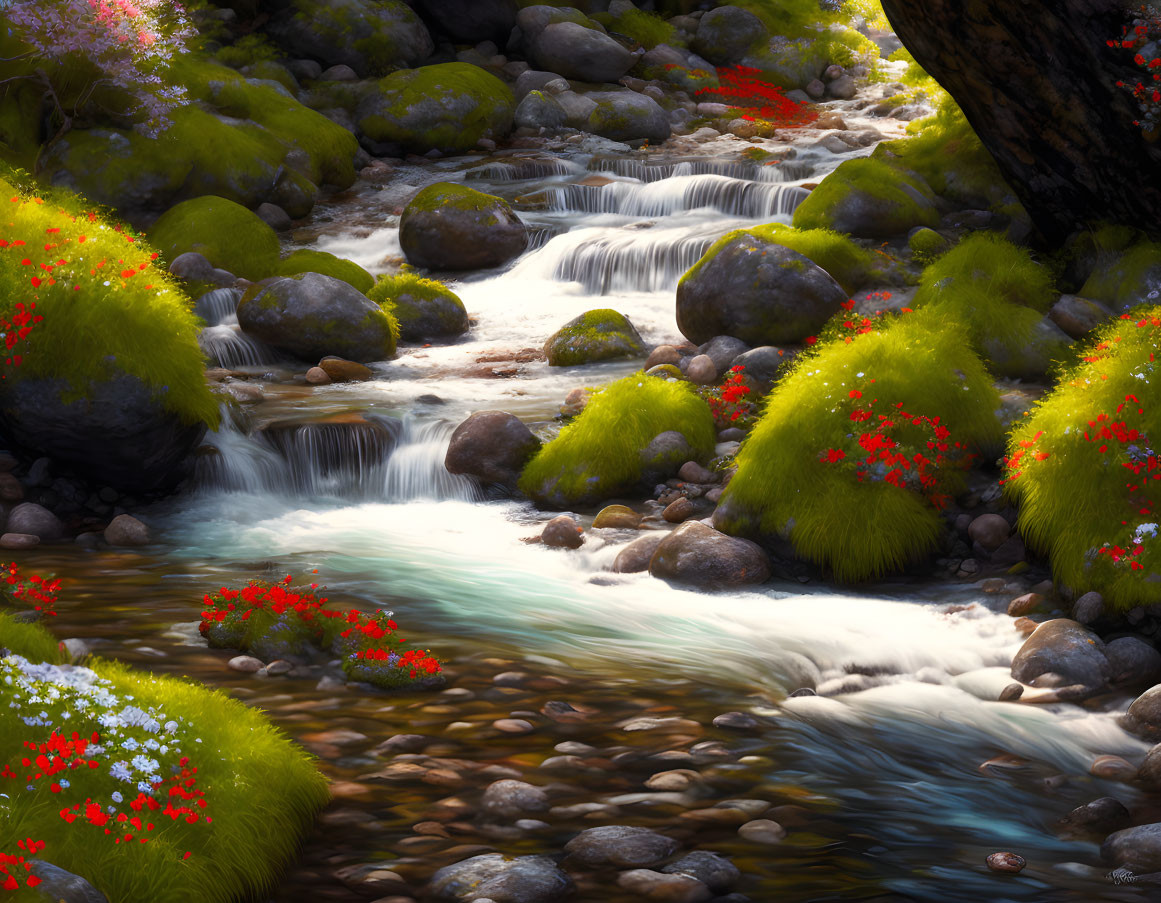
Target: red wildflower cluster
[[34, 589], [237, 605], [49, 759], [183, 800], [755, 99], [375, 645], [11, 863], [727, 402], [908, 451], [1144, 31], [44, 258]]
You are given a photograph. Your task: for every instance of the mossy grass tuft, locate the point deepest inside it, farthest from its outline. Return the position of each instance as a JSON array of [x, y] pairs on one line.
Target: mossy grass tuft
[[1082, 467], [261, 791], [900, 196], [994, 289], [597, 456], [861, 520], [647, 29], [108, 305], [226, 233], [305, 260]]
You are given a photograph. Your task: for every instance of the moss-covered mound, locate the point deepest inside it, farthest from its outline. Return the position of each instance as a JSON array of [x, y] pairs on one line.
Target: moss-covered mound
[[1083, 470], [598, 455], [945, 151], [447, 107], [183, 792], [448, 226], [647, 29], [103, 305], [869, 199], [848, 264], [1126, 279], [327, 150], [225, 233], [308, 261], [596, 335], [999, 295], [861, 444], [424, 308]]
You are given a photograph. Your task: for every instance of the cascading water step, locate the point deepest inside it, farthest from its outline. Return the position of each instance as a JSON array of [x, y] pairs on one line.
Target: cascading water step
[[679, 193]]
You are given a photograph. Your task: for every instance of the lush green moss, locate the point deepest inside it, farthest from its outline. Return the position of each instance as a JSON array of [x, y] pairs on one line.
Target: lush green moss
[[308, 261], [848, 264], [261, 791], [647, 29], [1081, 467], [225, 233], [868, 194], [107, 306], [32, 641], [997, 293], [414, 302], [1126, 279], [927, 244], [859, 528], [248, 50], [597, 456], [448, 107], [595, 335], [330, 148], [952, 160], [456, 196]]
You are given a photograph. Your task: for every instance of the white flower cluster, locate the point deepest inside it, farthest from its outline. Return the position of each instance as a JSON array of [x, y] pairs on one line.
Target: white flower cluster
[[66, 698]]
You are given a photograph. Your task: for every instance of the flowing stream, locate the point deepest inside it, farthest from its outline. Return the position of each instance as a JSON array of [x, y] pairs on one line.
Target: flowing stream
[[881, 778]]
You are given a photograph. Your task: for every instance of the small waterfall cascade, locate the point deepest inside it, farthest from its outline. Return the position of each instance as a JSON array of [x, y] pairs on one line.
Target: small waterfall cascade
[[357, 458], [780, 171], [679, 193], [222, 339]]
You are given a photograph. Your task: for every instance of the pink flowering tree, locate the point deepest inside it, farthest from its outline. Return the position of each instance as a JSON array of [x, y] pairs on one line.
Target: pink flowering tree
[[98, 58]]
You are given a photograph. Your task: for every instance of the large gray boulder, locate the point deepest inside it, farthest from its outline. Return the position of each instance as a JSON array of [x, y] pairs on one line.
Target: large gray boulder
[[1144, 715], [493, 876], [311, 316], [491, 445], [757, 291], [701, 556], [627, 116], [60, 886], [540, 110], [450, 227], [1136, 849], [726, 34], [118, 433], [1029, 358], [373, 37], [1063, 655], [585, 54], [620, 846]]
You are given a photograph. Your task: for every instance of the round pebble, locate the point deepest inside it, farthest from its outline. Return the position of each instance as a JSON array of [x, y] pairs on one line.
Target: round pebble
[[247, 664], [513, 726], [762, 830], [1006, 862]]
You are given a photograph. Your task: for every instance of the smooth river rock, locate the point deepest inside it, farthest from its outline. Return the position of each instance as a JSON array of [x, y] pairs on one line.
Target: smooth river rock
[[701, 556]]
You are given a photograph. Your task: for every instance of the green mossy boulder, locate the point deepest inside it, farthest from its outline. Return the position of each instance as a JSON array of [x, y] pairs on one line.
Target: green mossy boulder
[[598, 455], [596, 335], [312, 316], [373, 37], [308, 261], [791, 64], [1124, 280], [868, 199], [575, 51], [227, 234], [448, 226], [1080, 467], [199, 154], [447, 107], [647, 29], [816, 473], [315, 148], [751, 286], [1001, 297], [425, 308], [231, 751], [927, 244], [110, 383]]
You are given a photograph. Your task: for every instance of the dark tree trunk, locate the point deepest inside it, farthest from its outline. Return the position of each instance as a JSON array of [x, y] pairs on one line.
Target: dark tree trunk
[[1037, 82]]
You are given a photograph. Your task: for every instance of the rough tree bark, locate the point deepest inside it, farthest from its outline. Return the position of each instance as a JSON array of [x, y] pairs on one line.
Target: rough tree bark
[[1037, 82]]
